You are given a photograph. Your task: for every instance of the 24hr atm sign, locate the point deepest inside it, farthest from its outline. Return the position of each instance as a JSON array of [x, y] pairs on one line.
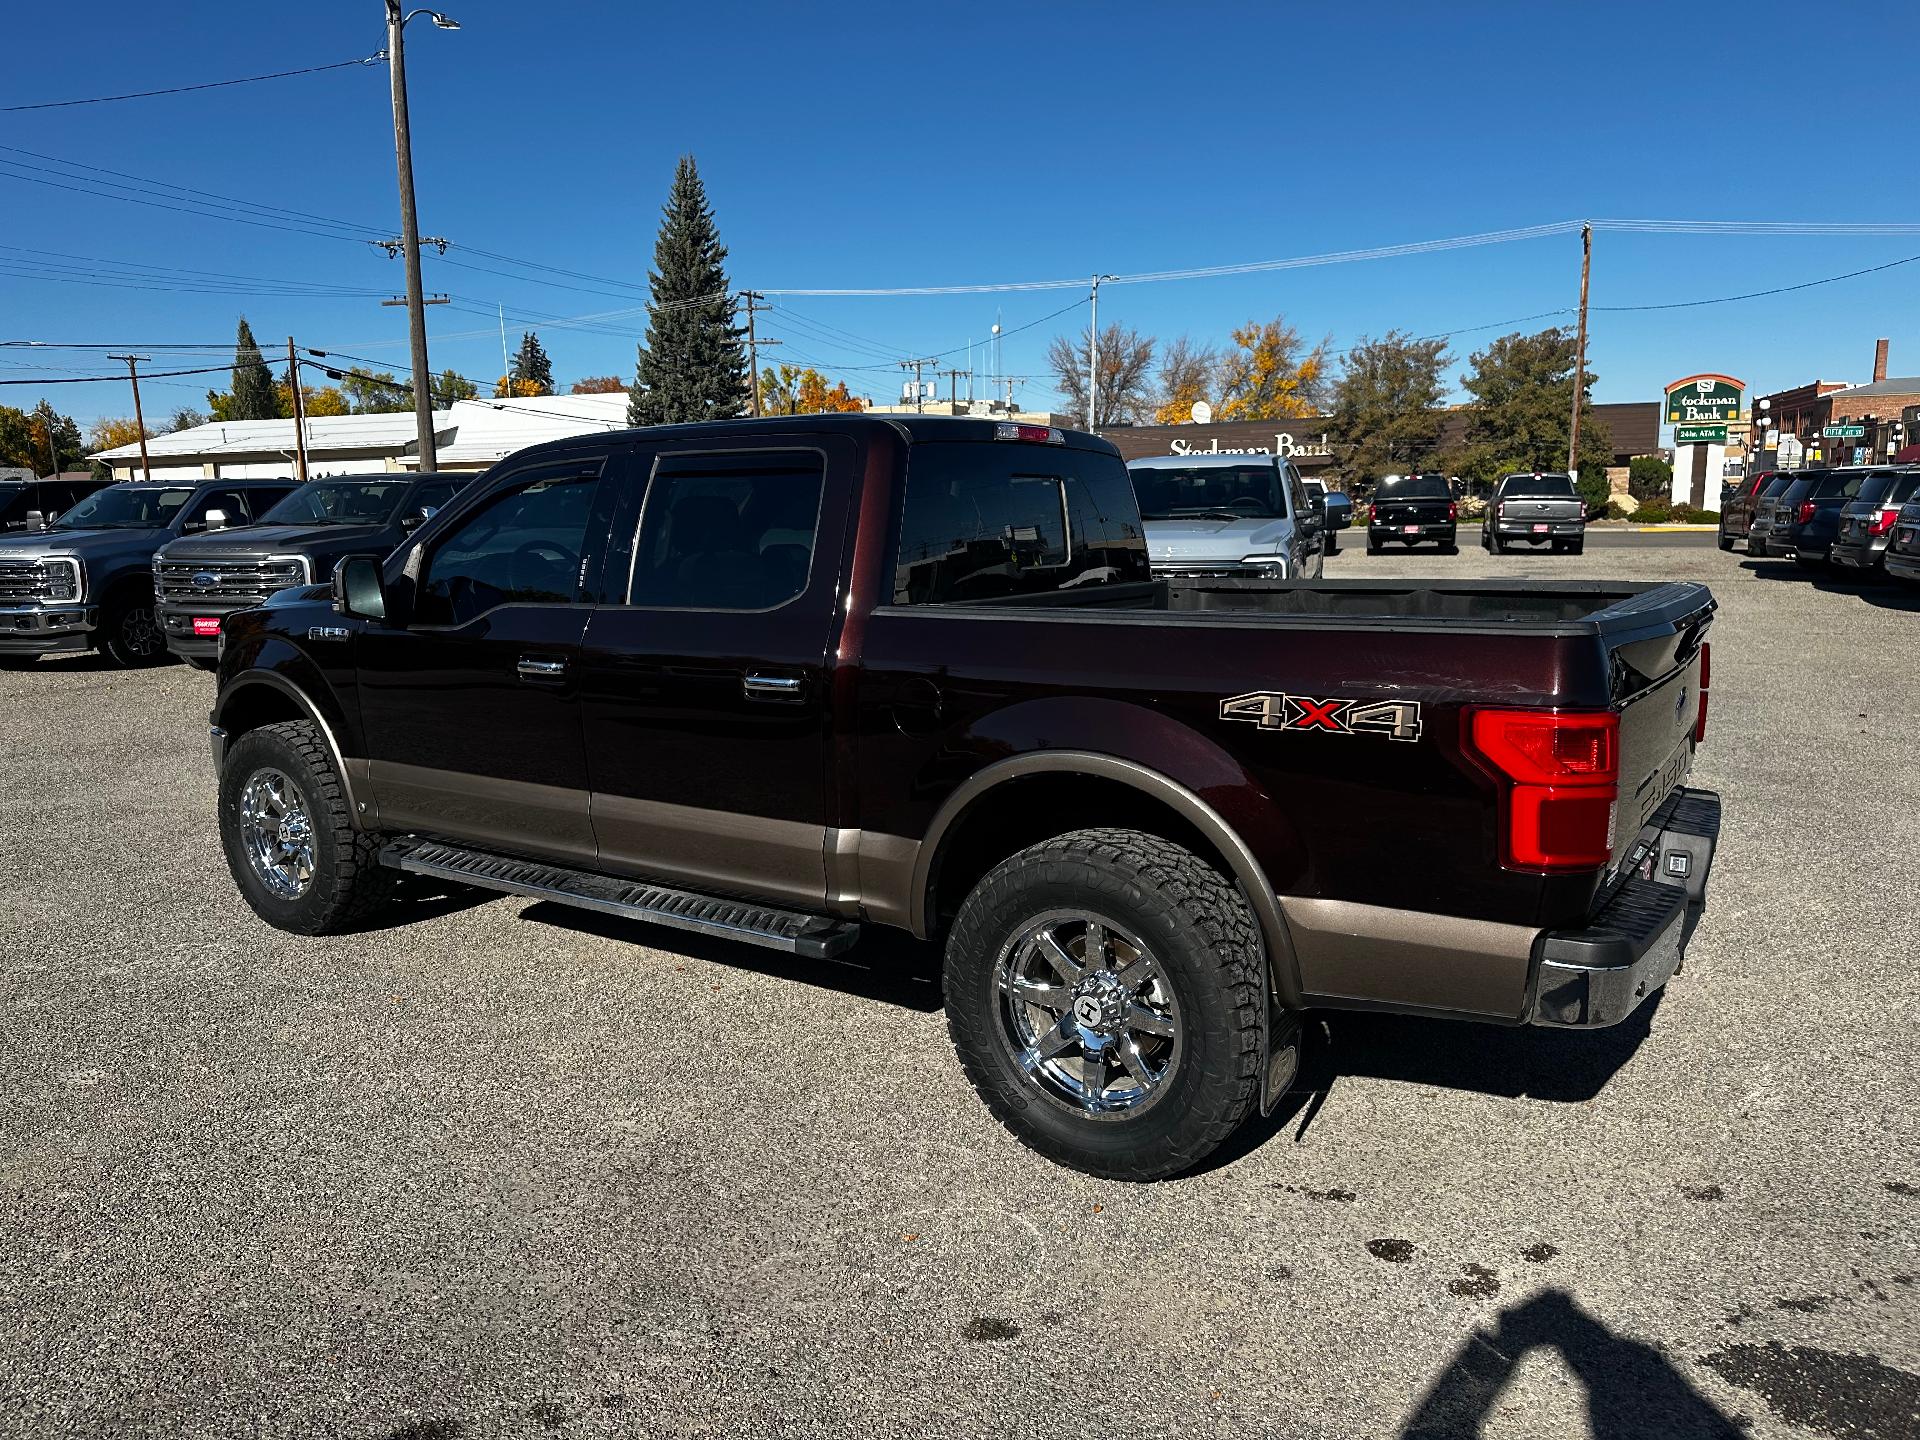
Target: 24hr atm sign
[[1704, 400]]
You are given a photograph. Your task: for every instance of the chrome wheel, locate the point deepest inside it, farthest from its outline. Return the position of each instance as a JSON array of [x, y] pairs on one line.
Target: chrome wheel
[[276, 833], [1089, 1015]]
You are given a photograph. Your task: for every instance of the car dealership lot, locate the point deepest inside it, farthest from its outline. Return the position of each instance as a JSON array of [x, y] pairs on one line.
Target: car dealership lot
[[505, 1170]]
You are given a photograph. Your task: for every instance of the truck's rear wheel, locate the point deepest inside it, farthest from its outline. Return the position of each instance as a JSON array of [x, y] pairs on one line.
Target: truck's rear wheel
[[288, 835], [1104, 993]]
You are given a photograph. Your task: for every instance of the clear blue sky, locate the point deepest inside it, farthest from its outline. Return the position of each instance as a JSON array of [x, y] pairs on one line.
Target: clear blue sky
[[928, 145]]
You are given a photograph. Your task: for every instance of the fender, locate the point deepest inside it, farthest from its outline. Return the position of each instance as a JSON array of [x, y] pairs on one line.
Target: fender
[[359, 802], [1206, 776]]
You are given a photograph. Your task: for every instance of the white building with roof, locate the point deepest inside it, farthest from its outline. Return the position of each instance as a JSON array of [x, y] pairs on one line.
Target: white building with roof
[[472, 435]]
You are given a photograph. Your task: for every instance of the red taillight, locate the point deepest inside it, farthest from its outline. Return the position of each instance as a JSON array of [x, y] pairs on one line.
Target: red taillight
[[1562, 774], [1706, 678], [1804, 513], [1453, 510], [1884, 523]]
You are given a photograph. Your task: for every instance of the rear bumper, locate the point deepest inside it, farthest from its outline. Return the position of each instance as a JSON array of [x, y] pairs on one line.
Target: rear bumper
[[47, 629], [1859, 557], [1903, 567], [1599, 974], [1555, 529], [1443, 533]]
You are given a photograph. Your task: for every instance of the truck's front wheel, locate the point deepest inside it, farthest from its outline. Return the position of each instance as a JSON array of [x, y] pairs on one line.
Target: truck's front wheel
[[289, 838], [1104, 991]]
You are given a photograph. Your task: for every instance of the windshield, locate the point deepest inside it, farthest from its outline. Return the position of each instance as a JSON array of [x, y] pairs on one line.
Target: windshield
[[125, 507], [338, 502], [1227, 492], [1414, 487]]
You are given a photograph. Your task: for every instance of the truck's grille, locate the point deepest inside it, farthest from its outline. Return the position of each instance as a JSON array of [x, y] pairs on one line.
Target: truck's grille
[[227, 580], [26, 582]]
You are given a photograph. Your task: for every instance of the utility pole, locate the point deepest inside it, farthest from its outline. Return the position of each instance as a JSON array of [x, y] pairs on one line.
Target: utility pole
[[410, 228], [953, 384], [917, 366], [299, 415], [1580, 353], [139, 420], [753, 346], [1093, 356]]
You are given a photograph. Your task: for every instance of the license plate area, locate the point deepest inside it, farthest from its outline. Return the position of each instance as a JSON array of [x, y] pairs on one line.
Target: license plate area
[[206, 626], [1410, 529]]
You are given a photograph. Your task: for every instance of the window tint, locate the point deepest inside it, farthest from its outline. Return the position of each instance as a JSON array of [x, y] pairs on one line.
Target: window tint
[[1542, 487], [728, 532], [229, 501], [1169, 492], [983, 521], [522, 548], [1415, 487], [1902, 489], [434, 495]]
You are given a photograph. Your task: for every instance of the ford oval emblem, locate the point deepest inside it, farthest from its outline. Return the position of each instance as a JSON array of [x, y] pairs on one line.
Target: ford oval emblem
[[206, 578]]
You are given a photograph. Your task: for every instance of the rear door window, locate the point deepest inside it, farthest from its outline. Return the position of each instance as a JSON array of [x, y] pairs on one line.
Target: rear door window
[[732, 531], [986, 521]]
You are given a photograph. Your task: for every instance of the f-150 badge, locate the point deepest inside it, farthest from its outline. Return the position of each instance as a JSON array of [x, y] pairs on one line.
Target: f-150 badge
[[1271, 710]]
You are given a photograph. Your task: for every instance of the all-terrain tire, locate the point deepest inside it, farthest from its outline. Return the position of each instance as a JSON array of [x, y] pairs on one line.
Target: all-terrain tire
[[1203, 934], [348, 882]]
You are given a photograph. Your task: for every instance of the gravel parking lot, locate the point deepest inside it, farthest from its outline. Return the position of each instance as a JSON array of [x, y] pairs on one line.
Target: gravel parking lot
[[506, 1170]]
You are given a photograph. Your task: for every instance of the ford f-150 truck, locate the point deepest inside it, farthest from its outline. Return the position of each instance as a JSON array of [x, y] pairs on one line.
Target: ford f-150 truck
[[1535, 509], [198, 580], [782, 679]]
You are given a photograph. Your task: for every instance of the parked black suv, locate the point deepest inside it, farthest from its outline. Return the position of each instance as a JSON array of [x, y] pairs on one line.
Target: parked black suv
[[48, 499], [1412, 508], [1806, 517], [1867, 520], [86, 582], [200, 579]]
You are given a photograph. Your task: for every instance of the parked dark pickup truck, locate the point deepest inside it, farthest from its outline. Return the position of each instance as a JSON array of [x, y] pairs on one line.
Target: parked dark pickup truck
[[200, 579], [1410, 509], [86, 583], [1535, 509], [780, 679]]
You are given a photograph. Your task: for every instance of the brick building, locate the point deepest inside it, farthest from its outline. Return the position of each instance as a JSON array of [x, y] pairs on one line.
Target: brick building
[[1881, 412]]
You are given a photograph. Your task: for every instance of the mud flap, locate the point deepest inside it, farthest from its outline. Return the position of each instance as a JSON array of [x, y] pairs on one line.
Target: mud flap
[[1282, 1057]]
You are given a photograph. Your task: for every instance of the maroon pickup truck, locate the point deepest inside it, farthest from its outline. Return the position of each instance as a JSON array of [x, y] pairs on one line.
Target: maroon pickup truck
[[781, 679]]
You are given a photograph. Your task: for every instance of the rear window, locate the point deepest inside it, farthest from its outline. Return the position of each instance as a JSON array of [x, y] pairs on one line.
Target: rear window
[[1414, 487], [1903, 488], [1776, 486], [984, 521], [1540, 487], [1843, 483]]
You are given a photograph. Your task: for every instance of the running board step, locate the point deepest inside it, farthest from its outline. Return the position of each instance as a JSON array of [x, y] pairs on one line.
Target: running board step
[[814, 936]]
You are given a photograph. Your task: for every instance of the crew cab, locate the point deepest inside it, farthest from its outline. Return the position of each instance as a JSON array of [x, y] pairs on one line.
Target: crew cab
[[780, 680], [200, 579], [1410, 509], [1537, 509], [1867, 520], [86, 582], [1228, 515]]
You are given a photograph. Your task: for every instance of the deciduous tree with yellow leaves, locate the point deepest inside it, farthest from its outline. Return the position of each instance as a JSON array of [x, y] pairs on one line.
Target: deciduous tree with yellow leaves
[[793, 390], [1269, 374]]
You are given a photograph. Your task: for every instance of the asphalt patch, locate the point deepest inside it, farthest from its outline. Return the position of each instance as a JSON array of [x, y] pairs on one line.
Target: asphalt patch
[[1397, 1252], [1846, 1396], [986, 1327], [1479, 1282], [1539, 1254]]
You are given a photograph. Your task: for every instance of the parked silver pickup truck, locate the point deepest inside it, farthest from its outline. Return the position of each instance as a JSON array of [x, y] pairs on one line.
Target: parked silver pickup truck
[[1229, 515], [1535, 508]]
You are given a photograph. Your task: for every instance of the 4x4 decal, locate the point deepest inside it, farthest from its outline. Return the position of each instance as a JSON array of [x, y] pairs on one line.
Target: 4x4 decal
[[1272, 710]]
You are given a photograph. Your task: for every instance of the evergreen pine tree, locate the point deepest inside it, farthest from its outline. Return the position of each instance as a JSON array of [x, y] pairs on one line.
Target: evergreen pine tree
[[254, 397], [692, 365], [531, 367]]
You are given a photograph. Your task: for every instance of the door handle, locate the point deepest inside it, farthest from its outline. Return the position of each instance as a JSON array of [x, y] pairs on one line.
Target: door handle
[[537, 669], [782, 689]]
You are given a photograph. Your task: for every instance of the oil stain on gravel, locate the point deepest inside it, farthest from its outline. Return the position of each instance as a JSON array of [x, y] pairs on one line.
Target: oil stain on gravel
[[1703, 1192], [1397, 1252], [1539, 1254], [985, 1327], [1478, 1282], [430, 1430], [1843, 1396], [1901, 1187]]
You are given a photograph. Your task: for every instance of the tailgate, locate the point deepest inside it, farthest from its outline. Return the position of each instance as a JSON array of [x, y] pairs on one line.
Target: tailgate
[[1411, 512], [1561, 510], [1656, 667]]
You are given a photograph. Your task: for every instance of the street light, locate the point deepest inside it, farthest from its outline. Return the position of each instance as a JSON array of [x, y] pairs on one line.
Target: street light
[[409, 225]]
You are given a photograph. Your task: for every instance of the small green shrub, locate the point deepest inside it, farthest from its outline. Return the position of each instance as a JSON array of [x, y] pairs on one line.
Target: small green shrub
[[1617, 511], [1655, 511], [1649, 478]]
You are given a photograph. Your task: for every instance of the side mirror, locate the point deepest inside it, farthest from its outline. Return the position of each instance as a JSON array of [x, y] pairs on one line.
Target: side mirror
[[216, 519], [359, 589], [36, 521], [417, 518]]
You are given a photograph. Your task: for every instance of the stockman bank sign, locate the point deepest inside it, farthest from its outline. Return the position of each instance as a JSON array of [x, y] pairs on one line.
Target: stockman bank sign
[[1704, 400], [1283, 444]]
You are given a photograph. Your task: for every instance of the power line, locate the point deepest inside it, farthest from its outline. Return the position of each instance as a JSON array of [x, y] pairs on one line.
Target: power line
[[373, 59], [1759, 294], [102, 379]]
